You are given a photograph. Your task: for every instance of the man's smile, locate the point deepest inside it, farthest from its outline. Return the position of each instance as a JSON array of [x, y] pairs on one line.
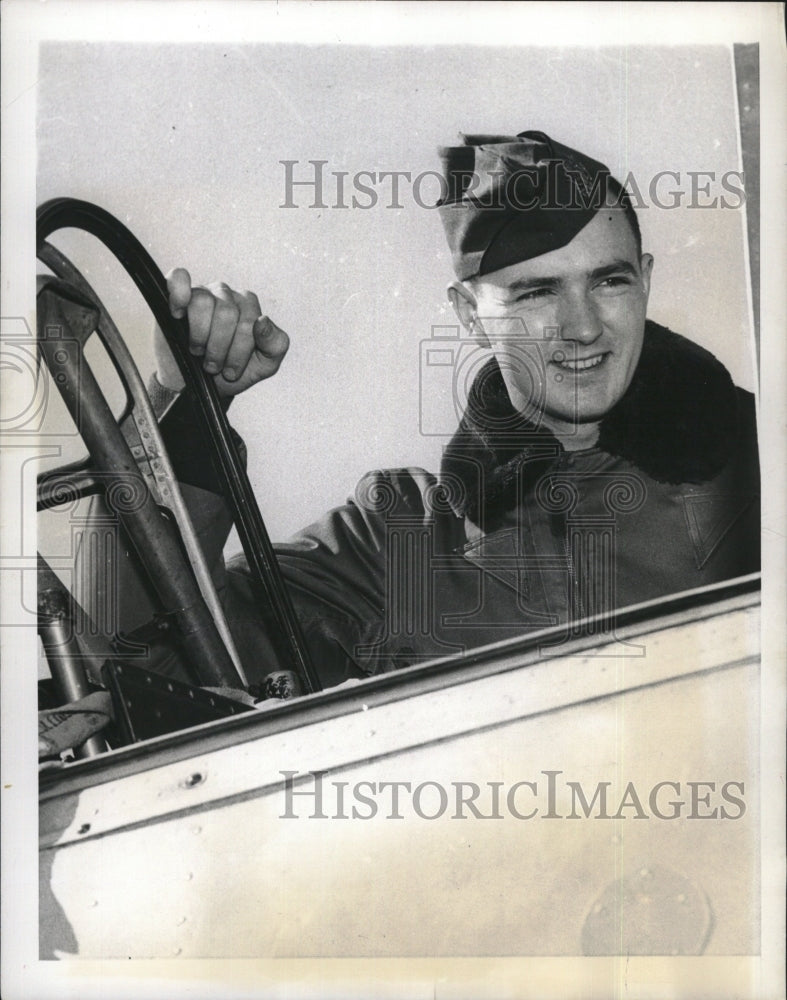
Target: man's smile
[[579, 364]]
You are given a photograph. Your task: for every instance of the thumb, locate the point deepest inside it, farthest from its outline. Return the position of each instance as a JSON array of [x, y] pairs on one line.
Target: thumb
[[270, 340]]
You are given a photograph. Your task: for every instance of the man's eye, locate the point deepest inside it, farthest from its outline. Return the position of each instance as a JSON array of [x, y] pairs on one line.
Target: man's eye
[[533, 295], [615, 281]]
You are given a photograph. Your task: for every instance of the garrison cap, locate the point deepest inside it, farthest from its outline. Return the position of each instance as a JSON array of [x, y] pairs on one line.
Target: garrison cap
[[510, 198]]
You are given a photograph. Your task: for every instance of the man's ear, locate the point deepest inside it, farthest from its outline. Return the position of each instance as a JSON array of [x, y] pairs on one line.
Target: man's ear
[[646, 267], [464, 304]]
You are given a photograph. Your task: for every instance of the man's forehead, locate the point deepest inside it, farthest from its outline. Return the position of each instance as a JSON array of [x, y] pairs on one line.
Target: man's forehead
[[606, 240]]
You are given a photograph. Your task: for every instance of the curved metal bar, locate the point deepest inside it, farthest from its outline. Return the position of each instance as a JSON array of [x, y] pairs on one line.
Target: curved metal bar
[[65, 485], [166, 483], [65, 320], [276, 606]]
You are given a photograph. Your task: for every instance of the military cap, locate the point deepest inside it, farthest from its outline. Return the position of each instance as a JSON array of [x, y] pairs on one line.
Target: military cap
[[511, 198]]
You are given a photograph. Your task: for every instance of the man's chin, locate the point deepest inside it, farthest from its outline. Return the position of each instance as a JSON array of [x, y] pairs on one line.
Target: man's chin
[[581, 422]]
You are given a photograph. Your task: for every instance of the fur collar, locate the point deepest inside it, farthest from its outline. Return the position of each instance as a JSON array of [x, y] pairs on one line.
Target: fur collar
[[677, 422]]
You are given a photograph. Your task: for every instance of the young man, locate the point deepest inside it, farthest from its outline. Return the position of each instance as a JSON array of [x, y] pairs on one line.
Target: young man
[[602, 460]]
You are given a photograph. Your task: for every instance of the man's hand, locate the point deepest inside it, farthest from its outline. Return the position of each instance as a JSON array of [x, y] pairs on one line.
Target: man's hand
[[238, 345]]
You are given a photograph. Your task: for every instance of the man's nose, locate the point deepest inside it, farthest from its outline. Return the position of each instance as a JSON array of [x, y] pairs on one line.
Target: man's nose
[[579, 319]]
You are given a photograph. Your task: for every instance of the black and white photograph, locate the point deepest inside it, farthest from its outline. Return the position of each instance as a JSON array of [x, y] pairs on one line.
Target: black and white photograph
[[393, 500]]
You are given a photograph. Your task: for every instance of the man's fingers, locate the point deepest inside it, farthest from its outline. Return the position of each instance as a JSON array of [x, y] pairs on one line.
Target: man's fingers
[[256, 352], [200, 312], [271, 341], [251, 305], [179, 289], [223, 327], [242, 346], [237, 345]]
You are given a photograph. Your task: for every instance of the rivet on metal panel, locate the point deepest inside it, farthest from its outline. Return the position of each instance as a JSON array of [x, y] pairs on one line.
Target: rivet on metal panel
[[193, 780], [180, 921], [196, 829]]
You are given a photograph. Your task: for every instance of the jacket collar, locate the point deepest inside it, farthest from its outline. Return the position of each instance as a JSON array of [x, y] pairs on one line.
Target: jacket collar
[[677, 422]]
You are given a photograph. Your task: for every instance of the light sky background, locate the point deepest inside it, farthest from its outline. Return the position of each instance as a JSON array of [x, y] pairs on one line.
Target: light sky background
[[183, 144]]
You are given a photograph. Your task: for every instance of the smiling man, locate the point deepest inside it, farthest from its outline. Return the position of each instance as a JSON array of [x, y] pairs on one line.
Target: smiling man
[[580, 310], [602, 460]]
